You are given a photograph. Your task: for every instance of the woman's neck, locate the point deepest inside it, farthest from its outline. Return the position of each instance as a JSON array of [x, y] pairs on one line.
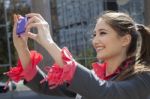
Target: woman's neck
[[113, 63]]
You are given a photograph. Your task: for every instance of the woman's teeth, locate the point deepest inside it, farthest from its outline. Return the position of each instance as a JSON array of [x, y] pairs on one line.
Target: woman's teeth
[[99, 48]]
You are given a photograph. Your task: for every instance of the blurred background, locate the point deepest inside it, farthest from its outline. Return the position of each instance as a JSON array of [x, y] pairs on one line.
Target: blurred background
[[71, 24]]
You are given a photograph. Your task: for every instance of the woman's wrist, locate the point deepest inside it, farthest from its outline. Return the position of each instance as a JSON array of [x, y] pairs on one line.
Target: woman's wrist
[[22, 50], [49, 45], [24, 55], [55, 52]]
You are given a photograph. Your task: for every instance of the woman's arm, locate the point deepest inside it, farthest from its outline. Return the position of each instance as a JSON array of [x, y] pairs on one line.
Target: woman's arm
[[43, 37], [43, 88], [88, 85], [20, 44], [27, 65]]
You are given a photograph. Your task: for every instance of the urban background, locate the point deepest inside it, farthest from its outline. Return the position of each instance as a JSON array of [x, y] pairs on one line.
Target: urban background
[[71, 24]]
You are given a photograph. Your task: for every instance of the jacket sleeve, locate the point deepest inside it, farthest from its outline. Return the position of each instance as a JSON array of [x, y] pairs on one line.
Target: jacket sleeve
[[88, 85], [43, 88]]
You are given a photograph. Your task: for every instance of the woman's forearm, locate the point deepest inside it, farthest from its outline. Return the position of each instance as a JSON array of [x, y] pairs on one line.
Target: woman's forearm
[[24, 56], [55, 52]]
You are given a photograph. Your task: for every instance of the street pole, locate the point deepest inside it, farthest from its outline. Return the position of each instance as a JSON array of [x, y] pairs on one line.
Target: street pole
[[8, 42]]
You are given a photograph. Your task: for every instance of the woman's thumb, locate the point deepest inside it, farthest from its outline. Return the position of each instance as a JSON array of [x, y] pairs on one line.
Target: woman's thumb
[[32, 36]]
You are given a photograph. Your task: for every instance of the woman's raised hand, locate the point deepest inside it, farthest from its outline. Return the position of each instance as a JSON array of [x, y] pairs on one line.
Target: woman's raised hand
[[20, 42], [43, 37]]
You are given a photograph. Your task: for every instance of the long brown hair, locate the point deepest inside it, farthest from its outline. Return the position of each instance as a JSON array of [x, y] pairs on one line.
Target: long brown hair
[[139, 46]]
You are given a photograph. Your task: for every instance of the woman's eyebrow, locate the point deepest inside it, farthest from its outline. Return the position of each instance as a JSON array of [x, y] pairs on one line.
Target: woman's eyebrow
[[99, 30], [102, 30]]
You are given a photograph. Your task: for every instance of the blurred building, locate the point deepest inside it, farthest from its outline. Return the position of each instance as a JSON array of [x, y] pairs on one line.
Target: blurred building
[[76, 20], [146, 12]]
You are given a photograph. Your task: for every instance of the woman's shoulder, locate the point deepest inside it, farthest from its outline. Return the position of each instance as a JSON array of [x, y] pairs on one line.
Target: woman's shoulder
[[143, 77], [140, 72]]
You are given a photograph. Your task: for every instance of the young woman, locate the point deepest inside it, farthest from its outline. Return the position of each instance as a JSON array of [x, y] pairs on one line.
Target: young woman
[[120, 43]]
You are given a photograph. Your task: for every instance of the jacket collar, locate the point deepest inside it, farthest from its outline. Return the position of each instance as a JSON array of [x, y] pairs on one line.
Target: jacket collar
[[100, 68]]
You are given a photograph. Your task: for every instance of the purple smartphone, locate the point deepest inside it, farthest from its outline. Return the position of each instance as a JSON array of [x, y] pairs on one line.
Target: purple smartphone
[[21, 25]]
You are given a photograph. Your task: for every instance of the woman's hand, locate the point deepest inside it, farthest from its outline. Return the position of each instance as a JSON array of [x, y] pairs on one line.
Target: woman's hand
[[43, 37], [20, 44]]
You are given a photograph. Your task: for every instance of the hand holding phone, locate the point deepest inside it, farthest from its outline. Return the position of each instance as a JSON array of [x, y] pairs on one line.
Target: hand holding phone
[[21, 25]]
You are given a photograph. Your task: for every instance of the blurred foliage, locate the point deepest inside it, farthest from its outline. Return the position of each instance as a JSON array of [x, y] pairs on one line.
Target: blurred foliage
[[86, 58]]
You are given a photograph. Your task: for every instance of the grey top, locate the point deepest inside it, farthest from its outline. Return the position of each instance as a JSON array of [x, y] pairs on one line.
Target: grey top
[[89, 86]]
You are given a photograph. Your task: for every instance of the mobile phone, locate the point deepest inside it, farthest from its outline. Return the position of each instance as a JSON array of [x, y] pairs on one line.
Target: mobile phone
[[21, 25]]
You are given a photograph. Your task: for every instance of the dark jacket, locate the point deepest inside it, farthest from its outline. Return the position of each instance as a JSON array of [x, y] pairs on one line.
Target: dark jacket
[[89, 86]]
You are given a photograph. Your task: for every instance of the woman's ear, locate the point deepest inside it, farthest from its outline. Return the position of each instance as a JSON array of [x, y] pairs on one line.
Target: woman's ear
[[126, 40]]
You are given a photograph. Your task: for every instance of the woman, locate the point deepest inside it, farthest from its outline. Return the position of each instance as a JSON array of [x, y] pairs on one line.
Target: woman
[[120, 43]]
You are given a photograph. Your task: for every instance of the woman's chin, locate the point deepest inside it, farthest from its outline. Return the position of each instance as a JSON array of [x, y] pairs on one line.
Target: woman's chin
[[100, 57]]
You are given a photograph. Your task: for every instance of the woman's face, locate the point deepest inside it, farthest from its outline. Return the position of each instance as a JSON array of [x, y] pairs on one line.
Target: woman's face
[[106, 41]]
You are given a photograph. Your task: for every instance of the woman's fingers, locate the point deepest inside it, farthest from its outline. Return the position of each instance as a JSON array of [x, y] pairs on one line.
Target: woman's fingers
[[32, 25], [15, 25], [36, 21], [33, 19], [32, 36], [35, 14]]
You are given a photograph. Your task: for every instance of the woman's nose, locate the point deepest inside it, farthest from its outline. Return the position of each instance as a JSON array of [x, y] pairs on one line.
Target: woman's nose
[[95, 40]]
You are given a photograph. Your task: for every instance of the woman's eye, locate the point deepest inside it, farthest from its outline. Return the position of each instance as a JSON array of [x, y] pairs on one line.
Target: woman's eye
[[102, 33], [94, 34]]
